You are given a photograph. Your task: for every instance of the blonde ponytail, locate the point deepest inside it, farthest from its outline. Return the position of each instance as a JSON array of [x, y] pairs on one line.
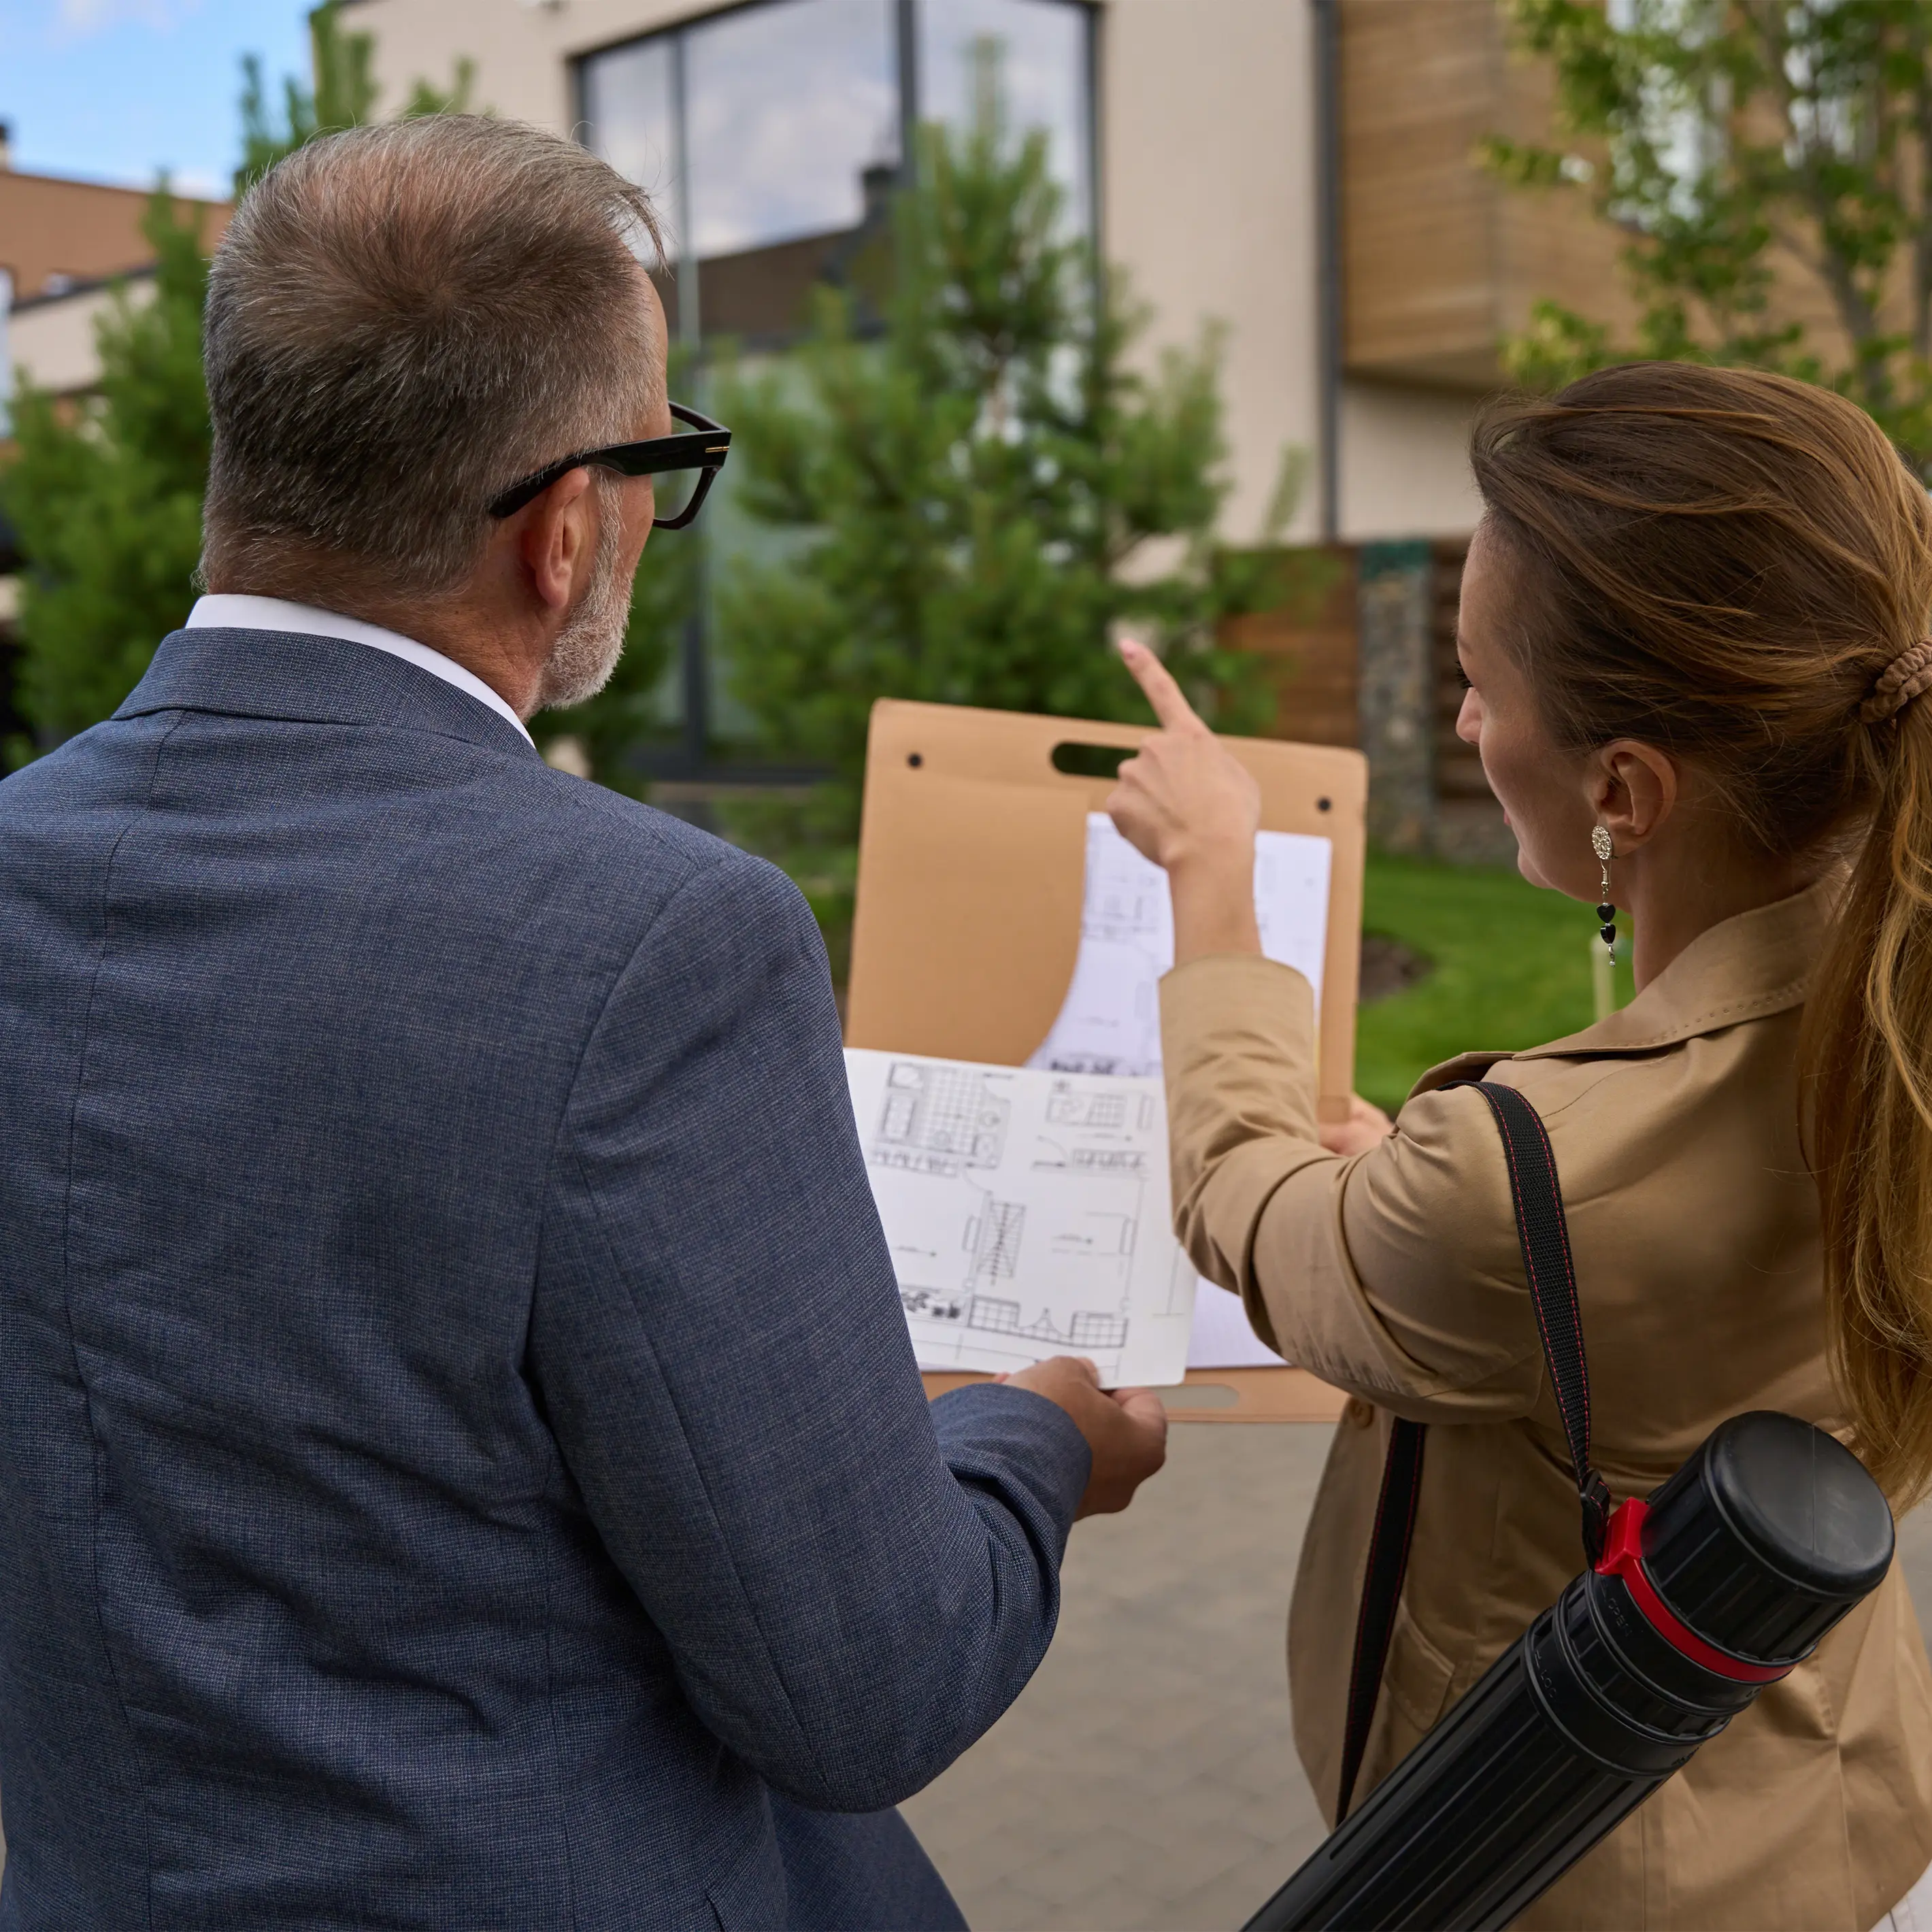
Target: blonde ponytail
[[1867, 1061]]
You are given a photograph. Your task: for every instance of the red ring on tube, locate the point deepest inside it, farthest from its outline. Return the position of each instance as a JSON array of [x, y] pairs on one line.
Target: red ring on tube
[[1623, 1556]]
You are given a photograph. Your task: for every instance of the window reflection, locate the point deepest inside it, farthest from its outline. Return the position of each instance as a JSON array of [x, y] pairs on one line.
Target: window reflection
[[792, 126], [789, 105], [625, 101], [626, 104], [1042, 68]]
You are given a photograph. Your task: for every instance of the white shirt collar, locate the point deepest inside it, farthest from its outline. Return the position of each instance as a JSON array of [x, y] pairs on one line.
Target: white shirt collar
[[227, 613]]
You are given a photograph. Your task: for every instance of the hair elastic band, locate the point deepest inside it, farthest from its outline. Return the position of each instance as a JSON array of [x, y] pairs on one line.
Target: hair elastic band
[[1905, 678]]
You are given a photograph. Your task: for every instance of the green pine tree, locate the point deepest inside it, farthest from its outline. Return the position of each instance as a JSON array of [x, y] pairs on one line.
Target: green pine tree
[[977, 490], [106, 497], [106, 494]]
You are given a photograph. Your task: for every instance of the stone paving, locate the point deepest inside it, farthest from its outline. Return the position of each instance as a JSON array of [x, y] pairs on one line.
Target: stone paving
[[1146, 1778]]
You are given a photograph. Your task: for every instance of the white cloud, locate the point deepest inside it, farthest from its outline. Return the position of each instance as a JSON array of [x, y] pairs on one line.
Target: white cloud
[[200, 184], [81, 19]]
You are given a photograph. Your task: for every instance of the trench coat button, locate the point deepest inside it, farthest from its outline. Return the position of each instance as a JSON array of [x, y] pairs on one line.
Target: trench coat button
[[1358, 1413]]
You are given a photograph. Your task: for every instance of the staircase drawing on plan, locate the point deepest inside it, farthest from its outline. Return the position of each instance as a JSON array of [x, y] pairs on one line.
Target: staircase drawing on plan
[[1012, 1244]]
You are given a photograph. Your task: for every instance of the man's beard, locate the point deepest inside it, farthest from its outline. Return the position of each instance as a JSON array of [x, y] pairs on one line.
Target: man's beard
[[592, 640]]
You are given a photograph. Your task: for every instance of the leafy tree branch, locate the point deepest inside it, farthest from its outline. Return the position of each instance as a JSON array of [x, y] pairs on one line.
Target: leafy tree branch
[[1764, 160]]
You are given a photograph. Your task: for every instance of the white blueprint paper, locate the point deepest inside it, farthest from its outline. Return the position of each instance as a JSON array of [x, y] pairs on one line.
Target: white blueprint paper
[[1110, 1020], [1027, 1213], [1221, 1338]]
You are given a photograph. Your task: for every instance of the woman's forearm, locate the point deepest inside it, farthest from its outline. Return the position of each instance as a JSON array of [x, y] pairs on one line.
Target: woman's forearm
[[1213, 895]]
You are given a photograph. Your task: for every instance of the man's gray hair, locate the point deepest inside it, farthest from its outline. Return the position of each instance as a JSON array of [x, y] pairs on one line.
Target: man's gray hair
[[402, 321]]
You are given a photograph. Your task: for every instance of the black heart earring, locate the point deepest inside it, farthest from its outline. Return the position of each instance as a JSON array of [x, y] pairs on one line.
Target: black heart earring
[[1606, 914]]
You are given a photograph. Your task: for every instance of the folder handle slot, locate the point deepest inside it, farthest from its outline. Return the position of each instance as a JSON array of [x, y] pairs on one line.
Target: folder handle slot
[[1079, 761]]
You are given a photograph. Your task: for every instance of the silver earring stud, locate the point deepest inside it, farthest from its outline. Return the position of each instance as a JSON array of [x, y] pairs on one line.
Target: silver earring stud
[[1606, 914]]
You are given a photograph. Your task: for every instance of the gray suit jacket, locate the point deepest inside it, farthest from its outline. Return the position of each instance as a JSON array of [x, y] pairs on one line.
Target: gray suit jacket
[[464, 1463]]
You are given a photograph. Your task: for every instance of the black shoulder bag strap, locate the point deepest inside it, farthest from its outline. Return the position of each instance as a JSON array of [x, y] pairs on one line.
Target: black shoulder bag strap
[[1545, 1235]]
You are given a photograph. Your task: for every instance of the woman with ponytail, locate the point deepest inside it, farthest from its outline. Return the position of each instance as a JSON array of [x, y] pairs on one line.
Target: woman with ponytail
[[1694, 627]]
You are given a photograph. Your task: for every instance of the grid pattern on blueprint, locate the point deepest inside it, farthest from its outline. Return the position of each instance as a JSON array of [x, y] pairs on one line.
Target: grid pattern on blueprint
[[940, 1119]]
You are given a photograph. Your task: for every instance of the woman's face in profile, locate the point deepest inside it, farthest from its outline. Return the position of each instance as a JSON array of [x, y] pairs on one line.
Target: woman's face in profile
[[1540, 786]]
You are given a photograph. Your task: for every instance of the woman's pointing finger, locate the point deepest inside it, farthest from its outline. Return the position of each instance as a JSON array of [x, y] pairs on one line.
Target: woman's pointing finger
[[1170, 702]]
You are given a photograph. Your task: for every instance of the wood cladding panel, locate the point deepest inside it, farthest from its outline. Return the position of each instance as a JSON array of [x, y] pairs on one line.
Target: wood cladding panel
[[1441, 261], [1551, 242], [1312, 661], [1418, 83]]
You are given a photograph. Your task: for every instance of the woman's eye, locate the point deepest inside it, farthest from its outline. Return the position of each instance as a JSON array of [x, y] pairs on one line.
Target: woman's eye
[[1462, 677]]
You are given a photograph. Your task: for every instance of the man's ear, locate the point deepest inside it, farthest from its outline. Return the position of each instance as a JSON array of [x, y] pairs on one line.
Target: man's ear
[[558, 535], [1634, 789]]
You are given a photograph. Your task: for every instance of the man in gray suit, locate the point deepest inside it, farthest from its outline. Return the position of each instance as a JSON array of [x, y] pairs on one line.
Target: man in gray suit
[[464, 1466]]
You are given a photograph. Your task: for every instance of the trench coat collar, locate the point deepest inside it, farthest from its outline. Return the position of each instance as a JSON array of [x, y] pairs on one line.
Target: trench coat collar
[[1746, 967]]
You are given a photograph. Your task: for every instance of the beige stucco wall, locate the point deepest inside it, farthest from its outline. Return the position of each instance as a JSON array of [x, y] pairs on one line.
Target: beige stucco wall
[[1405, 464], [1207, 200], [51, 341]]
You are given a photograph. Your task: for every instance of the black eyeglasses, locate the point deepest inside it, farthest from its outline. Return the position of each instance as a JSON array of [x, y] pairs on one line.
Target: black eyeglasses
[[683, 467]]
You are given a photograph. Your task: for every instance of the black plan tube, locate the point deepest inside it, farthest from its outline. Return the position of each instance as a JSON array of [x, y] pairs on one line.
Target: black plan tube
[[1764, 1539]]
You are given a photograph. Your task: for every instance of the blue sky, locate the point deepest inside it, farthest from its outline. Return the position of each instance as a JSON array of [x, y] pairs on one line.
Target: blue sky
[[115, 90]]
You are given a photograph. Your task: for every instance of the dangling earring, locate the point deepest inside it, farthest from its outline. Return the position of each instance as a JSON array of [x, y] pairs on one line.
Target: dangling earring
[[1606, 914]]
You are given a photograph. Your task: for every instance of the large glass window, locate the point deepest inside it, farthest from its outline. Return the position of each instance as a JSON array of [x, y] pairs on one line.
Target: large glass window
[[625, 98], [1042, 54], [770, 135]]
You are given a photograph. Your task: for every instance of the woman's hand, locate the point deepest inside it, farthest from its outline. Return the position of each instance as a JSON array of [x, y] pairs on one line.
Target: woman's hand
[[1187, 803], [1366, 1126]]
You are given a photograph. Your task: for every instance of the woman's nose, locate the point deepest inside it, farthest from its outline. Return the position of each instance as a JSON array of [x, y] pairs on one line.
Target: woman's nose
[[1469, 719]]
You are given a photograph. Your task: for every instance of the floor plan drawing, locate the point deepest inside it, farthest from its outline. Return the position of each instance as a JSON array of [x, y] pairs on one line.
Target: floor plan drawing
[[1027, 1214], [940, 1119], [1110, 1020]]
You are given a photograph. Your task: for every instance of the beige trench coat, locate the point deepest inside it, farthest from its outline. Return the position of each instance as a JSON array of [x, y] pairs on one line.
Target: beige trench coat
[[1396, 1276]]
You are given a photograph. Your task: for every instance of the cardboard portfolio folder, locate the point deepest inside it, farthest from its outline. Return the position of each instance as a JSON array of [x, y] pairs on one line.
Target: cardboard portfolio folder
[[972, 866]]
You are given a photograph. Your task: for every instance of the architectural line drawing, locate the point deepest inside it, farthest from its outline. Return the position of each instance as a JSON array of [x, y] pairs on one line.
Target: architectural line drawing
[[1026, 1213], [1110, 1021], [940, 1119], [997, 1254]]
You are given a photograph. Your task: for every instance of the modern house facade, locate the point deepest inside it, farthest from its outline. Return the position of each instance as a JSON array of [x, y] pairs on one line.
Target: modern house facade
[[1200, 138], [1303, 173]]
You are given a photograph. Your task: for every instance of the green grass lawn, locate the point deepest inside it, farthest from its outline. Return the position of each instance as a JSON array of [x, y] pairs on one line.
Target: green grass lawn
[[1512, 969]]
